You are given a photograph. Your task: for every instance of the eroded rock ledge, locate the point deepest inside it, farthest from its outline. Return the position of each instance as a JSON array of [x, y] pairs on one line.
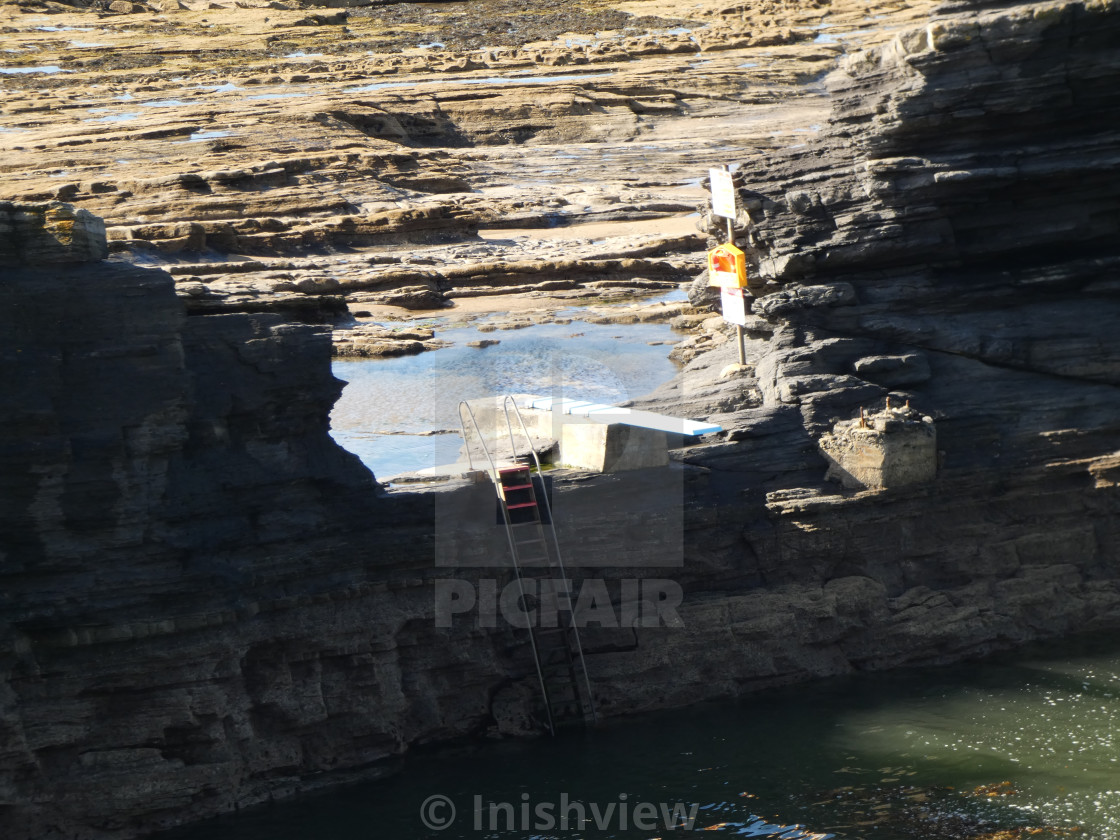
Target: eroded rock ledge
[[207, 604]]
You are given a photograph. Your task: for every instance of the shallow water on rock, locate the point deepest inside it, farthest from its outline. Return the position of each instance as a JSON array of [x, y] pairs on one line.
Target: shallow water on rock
[[168, 103], [278, 95], [412, 395], [1020, 746], [199, 136], [53, 68], [125, 117], [523, 79]]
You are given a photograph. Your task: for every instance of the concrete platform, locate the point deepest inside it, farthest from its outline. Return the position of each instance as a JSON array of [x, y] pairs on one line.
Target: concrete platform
[[601, 413], [591, 436], [609, 438]]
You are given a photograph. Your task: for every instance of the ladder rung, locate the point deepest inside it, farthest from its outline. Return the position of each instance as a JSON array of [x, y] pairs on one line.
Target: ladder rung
[[516, 486], [521, 505], [507, 470], [529, 542]]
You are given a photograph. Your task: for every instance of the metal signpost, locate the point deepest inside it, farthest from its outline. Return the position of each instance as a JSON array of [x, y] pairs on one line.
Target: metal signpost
[[731, 295]]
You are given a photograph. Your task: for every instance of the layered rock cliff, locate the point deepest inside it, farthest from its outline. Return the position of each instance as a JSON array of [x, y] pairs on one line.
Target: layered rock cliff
[[950, 240], [956, 224], [205, 603], [156, 469]]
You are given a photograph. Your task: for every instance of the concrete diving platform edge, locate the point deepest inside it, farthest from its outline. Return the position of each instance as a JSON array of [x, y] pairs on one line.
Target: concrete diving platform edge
[[615, 414]]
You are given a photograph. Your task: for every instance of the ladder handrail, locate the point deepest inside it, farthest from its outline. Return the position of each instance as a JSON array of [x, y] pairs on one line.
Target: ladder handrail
[[512, 547], [466, 444], [506, 403]]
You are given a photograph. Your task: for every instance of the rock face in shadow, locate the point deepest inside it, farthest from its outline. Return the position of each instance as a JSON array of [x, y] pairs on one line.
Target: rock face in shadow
[[206, 604], [155, 469], [45, 234], [127, 421]]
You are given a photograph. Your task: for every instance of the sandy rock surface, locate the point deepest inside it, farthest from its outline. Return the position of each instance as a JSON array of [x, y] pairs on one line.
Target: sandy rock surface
[[324, 161]]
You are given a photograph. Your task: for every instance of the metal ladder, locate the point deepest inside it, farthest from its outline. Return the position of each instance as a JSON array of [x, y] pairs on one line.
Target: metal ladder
[[557, 652]]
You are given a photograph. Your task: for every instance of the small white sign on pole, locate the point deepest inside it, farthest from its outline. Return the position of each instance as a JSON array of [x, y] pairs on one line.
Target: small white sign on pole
[[723, 193], [734, 305]]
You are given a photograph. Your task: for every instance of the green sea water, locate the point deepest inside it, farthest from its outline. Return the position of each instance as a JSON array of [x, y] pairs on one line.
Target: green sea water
[[1025, 745]]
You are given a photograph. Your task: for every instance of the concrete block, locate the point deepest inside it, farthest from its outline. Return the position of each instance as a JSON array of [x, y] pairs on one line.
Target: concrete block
[[894, 448], [611, 447]]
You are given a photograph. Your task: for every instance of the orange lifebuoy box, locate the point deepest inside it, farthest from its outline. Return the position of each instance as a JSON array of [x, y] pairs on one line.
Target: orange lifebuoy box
[[727, 266]]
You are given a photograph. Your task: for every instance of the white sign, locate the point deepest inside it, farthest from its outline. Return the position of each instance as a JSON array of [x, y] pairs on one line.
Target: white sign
[[723, 193], [734, 305]]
